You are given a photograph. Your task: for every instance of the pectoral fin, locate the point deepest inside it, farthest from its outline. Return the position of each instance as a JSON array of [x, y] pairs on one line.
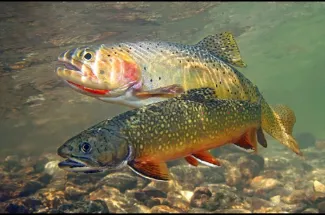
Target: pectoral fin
[[150, 169], [166, 92], [206, 158], [191, 160], [224, 46]]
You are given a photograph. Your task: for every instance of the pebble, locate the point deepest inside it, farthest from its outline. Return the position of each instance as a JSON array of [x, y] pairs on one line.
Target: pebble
[[163, 209], [30, 188], [200, 197], [261, 184], [119, 180], [319, 187], [96, 206], [74, 193]]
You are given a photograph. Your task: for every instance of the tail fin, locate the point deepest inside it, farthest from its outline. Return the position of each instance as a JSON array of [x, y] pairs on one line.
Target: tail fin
[[224, 46], [286, 116], [279, 122]]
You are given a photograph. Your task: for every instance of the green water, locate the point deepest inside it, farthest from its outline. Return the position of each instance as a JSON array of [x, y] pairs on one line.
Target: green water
[[284, 50], [282, 43]]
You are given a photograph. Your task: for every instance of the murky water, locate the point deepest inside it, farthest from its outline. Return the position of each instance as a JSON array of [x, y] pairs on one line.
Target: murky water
[[282, 43]]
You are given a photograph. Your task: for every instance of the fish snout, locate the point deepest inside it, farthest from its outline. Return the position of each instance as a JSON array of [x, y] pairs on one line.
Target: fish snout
[[64, 151], [67, 55]]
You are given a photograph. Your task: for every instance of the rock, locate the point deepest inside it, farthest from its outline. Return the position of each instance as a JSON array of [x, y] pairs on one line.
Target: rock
[[295, 197], [53, 169], [45, 179], [40, 165], [137, 208], [233, 157], [294, 208], [321, 207], [190, 177], [51, 198], [8, 189], [32, 203], [143, 182], [257, 203], [121, 181], [96, 206], [310, 211], [163, 209], [319, 187], [177, 201], [233, 176], [277, 163], [171, 185], [116, 201], [187, 176], [200, 197], [261, 184], [12, 164], [250, 166], [248, 192], [222, 198], [276, 199], [198, 210], [305, 140], [272, 174], [187, 194], [16, 208], [233, 211], [74, 193], [150, 198], [30, 188]]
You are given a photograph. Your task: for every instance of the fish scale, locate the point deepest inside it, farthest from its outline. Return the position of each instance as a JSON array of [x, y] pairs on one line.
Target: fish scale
[[181, 127], [141, 73]]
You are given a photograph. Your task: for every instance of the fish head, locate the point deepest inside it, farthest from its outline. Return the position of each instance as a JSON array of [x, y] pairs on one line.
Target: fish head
[[99, 71], [94, 150]]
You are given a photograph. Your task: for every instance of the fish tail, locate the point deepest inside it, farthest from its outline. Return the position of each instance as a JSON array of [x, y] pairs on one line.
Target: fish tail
[[278, 122]]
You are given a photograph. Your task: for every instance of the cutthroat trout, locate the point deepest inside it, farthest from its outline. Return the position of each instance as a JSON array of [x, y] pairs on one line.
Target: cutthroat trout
[[145, 138], [141, 73]]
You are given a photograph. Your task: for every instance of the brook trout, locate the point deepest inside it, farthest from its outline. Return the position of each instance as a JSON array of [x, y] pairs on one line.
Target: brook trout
[[141, 73], [145, 138]]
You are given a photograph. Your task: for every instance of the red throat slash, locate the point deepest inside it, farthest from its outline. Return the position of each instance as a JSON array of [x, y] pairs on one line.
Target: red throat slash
[[89, 90]]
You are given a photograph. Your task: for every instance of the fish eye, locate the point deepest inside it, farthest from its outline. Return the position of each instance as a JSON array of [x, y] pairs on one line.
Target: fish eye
[[88, 56], [85, 147]]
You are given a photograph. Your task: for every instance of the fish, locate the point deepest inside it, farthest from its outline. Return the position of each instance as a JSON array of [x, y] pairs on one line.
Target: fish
[[144, 139], [136, 74]]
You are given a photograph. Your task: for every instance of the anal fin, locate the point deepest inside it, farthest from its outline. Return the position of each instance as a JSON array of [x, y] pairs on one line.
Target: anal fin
[[206, 158], [150, 169], [166, 92], [191, 160], [248, 140]]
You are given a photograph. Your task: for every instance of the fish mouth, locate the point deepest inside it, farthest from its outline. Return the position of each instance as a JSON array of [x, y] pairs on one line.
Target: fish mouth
[[77, 165], [81, 79], [74, 74]]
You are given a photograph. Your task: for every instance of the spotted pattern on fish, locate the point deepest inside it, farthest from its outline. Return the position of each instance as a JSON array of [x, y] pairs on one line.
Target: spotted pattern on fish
[[148, 66]]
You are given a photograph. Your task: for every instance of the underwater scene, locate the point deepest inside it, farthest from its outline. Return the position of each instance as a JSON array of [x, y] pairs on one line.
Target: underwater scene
[[162, 107]]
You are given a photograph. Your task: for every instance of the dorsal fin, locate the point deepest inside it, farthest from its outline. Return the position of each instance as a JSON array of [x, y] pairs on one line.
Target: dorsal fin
[[224, 46], [198, 94]]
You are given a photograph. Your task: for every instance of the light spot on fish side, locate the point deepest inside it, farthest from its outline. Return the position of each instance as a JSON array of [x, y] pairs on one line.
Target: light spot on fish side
[[141, 146]]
